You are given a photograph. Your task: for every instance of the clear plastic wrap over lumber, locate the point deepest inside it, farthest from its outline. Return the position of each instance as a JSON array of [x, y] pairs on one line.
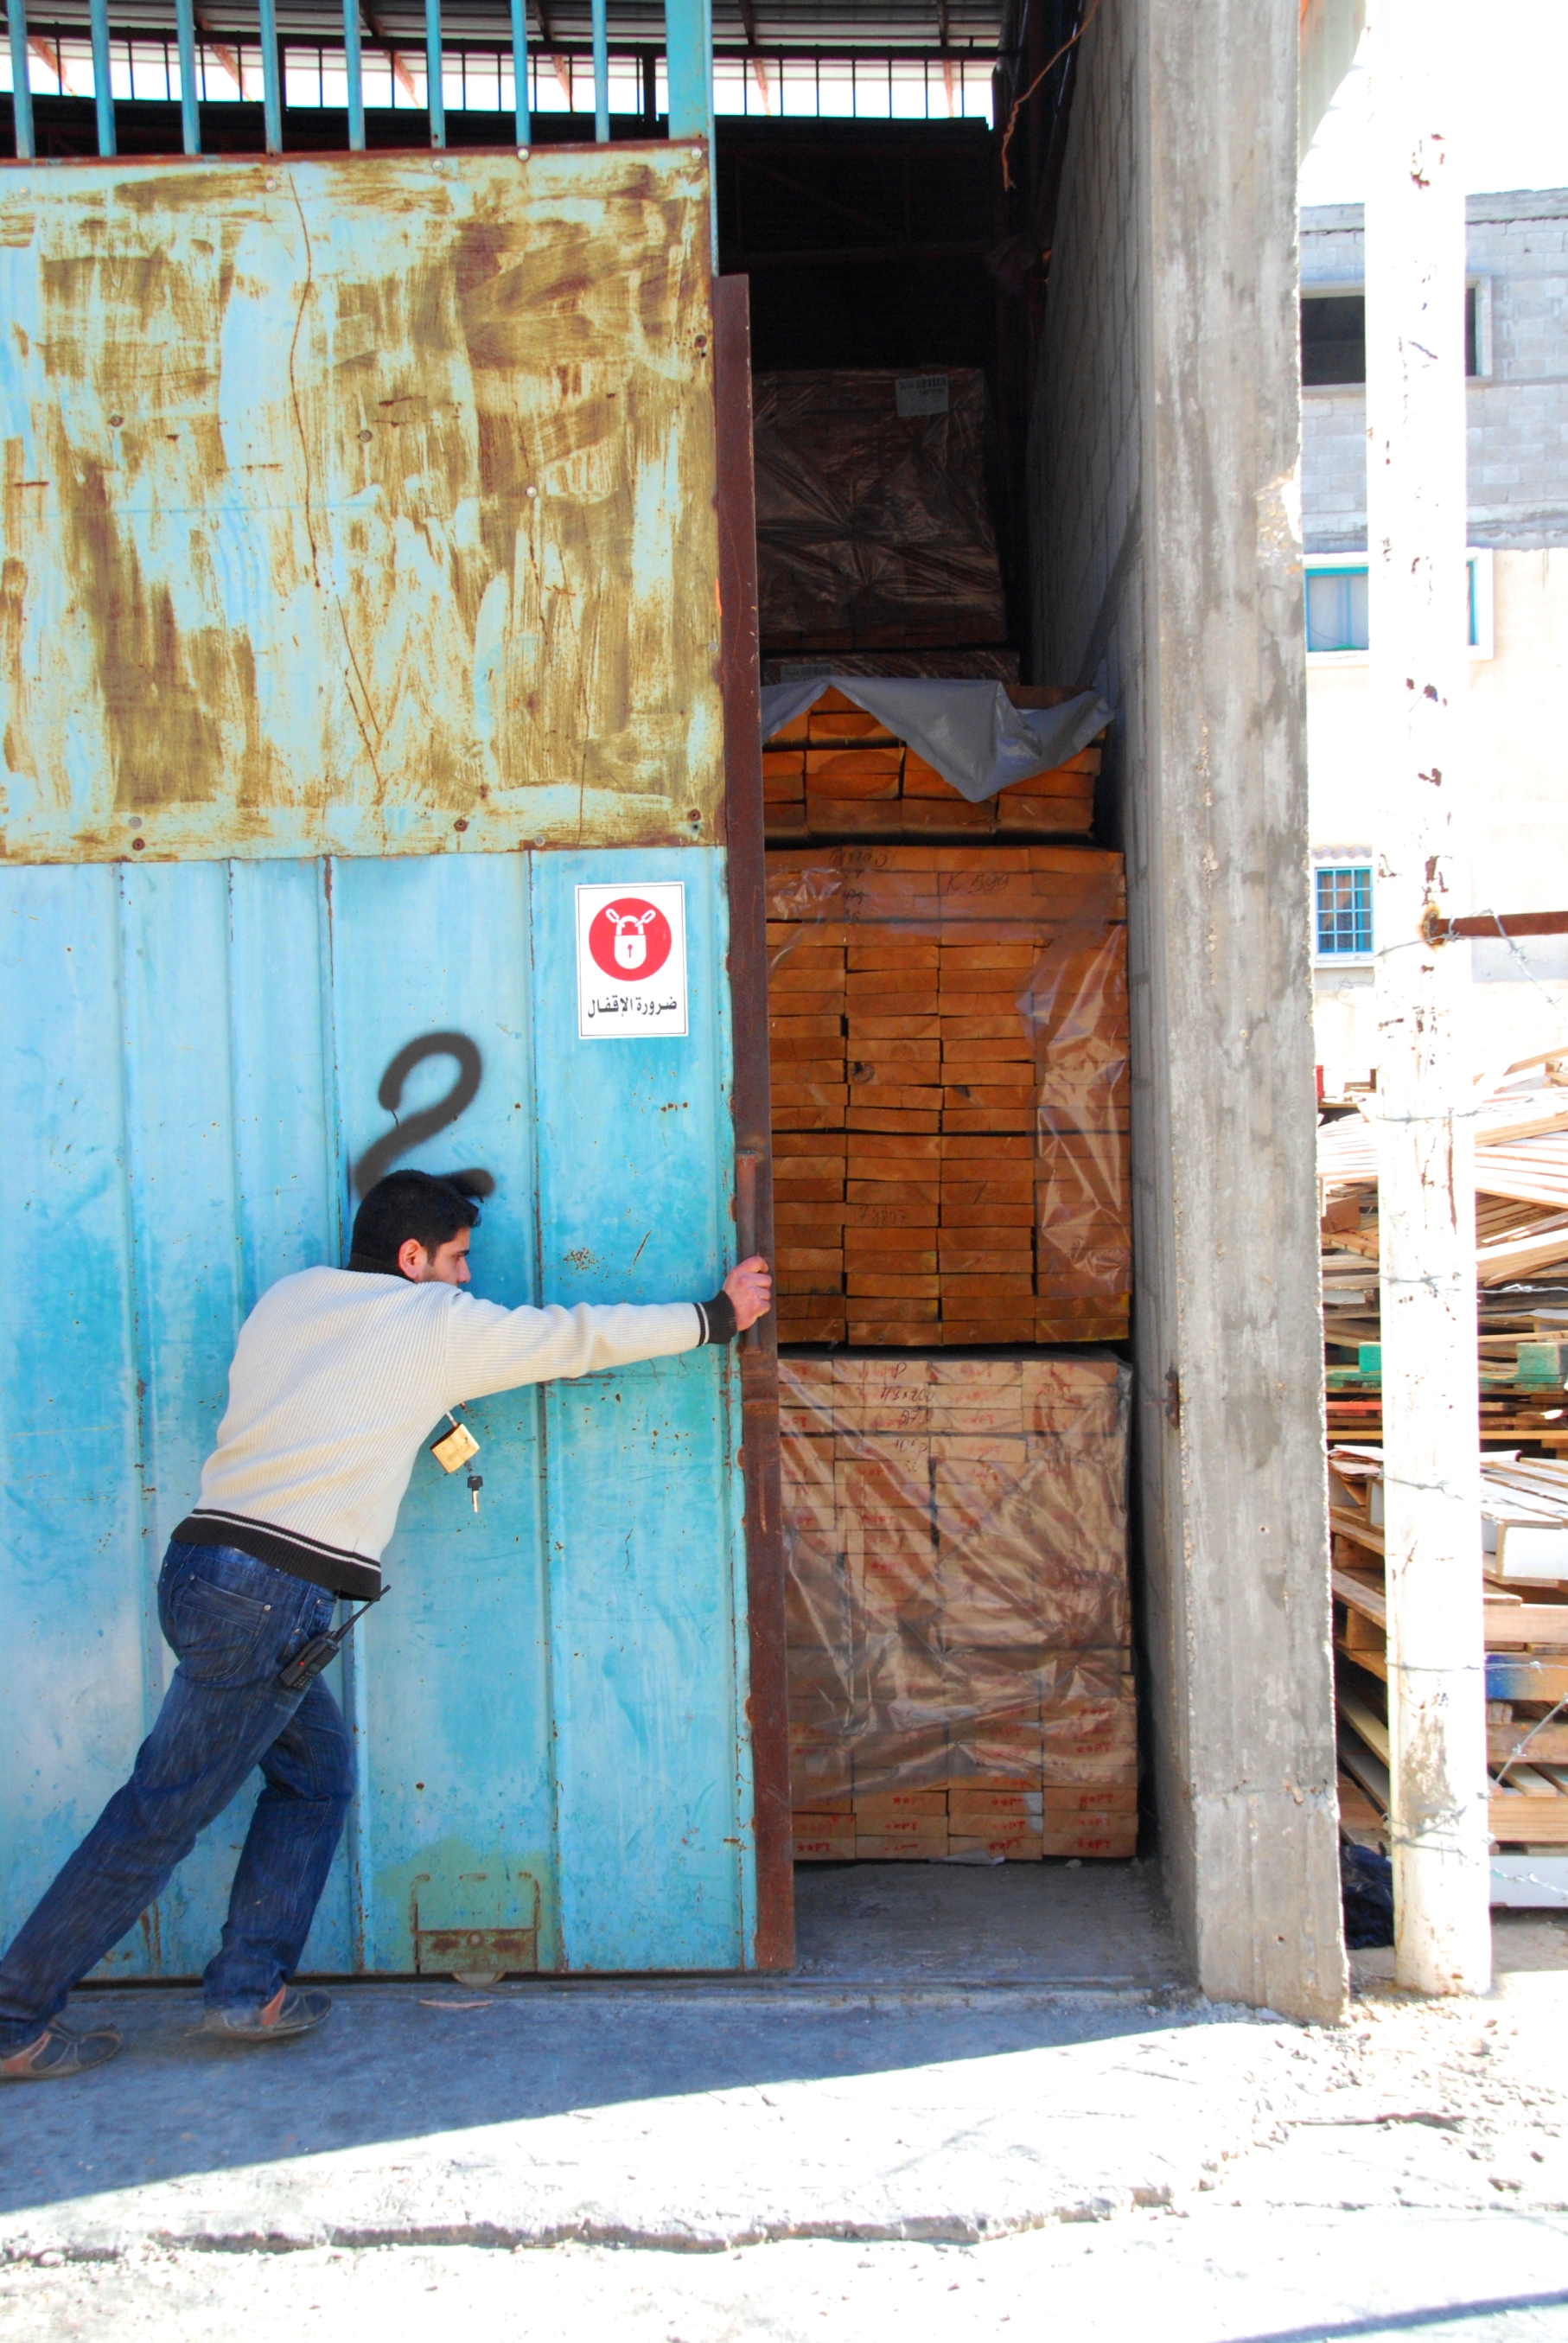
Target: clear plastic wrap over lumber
[[873, 526], [956, 1539], [1076, 1009], [951, 1093]]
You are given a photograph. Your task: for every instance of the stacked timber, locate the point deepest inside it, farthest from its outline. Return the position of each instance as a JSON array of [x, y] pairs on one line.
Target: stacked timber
[[993, 662], [836, 772], [873, 524], [959, 1669], [1523, 1567], [951, 1095], [948, 1005], [1522, 1265]]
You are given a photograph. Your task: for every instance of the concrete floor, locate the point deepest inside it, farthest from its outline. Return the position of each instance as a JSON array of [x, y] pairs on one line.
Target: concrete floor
[[1059, 1924], [1238, 2273], [912, 1978], [913, 2155]]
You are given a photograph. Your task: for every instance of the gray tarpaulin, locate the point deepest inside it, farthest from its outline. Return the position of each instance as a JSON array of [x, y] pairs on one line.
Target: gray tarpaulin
[[970, 731]]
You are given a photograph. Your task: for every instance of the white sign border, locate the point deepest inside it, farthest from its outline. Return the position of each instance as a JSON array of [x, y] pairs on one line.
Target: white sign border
[[590, 974]]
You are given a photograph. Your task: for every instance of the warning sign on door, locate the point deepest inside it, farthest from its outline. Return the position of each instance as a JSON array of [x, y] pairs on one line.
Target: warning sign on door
[[631, 961]]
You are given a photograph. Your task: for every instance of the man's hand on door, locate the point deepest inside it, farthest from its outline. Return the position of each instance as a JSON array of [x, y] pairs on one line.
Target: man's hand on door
[[750, 1286]]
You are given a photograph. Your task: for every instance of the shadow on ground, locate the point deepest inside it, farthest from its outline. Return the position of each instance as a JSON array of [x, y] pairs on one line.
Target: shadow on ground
[[903, 1966]]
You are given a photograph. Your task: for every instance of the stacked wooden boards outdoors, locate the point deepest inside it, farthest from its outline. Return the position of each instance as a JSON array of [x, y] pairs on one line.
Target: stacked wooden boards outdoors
[[836, 773], [950, 1094], [1523, 1566], [959, 1629], [1521, 1265]]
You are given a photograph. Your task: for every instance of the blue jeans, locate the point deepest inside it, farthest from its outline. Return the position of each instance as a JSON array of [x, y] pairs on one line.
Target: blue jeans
[[233, 1623]]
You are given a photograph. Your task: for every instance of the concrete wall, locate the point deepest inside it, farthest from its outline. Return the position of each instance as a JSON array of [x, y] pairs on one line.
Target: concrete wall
[[1162, 483]]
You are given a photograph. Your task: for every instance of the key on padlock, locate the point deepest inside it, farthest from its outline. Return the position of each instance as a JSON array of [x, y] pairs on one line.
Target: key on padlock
[[475, 1483]]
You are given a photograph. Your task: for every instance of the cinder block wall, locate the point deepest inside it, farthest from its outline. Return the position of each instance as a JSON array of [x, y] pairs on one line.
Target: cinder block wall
[[1165, 482], [1518, 407]]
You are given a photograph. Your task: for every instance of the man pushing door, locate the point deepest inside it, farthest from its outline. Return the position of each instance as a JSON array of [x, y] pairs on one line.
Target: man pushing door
[[337, 1377]]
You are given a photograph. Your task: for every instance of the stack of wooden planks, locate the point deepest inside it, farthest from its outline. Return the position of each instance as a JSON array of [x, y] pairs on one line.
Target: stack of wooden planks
[[960, 1679], [1524, 1568], [873, 524], [836, 772], [1522, 1266], [951, 1096]]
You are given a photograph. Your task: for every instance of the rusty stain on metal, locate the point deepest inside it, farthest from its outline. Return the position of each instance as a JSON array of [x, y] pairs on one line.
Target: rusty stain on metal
[[349, 507], [767, 1703]]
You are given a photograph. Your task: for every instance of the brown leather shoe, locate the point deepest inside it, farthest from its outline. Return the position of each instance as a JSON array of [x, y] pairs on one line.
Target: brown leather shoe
[[59, 2051]]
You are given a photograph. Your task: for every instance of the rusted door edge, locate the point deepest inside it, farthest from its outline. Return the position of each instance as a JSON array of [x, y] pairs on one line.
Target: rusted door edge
[[742, 686], [260, 159]]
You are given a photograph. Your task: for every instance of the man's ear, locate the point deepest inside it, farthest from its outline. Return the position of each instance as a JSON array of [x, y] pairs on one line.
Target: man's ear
[[411, 1258]]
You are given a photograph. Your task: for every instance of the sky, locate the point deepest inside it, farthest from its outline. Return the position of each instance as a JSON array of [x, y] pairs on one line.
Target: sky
[[1514, 132]]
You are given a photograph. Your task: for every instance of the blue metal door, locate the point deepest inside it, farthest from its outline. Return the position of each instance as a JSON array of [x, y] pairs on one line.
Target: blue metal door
[[549, 1709], [338, 655]]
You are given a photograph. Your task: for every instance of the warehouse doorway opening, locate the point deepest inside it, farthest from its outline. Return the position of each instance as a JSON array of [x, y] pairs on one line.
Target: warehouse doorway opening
[[949, 1048]]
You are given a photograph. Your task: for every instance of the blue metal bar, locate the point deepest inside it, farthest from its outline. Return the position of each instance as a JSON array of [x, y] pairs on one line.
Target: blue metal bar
[[21, 87], [689, 47], [601, 71], [190, 115], [271, 80], [520, 67], [102, 87], [353, 64], [435, 94]]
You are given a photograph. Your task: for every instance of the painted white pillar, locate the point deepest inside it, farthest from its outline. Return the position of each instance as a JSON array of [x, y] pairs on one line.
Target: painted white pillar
[[1416, 532]]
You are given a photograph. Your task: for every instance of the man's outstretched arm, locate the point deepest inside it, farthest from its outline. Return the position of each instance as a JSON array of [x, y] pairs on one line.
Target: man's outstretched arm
[[489, 1349]]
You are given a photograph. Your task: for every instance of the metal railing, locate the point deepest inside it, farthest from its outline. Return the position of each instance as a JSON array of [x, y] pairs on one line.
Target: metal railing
[[689, 54]]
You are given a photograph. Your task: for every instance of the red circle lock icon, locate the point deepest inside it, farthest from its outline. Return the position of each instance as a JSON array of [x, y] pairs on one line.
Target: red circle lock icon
[[629, 939]]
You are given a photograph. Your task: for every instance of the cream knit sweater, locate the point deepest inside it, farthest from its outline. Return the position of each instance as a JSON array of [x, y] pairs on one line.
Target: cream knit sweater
[[339, 1376]]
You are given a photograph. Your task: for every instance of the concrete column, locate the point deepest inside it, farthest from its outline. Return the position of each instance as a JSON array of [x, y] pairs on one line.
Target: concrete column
[[1230, 1327], [1415, 262], [1165, 523]]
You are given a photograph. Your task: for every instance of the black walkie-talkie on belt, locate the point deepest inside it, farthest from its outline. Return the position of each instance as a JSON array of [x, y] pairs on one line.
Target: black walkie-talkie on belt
[[321, 1651]]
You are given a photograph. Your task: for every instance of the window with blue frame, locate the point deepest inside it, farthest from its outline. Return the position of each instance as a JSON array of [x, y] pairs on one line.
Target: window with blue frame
[[1337, 609], [1343, 909]]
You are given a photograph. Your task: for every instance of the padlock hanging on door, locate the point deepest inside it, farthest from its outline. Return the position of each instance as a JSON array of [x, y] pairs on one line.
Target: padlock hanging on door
[[452, 1450]]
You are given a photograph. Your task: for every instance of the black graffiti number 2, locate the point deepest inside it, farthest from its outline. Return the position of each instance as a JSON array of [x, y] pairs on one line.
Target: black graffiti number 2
[[408, 1134]]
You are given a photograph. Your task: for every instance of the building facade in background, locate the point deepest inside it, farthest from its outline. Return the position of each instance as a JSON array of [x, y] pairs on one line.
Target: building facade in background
[[1517, 362]]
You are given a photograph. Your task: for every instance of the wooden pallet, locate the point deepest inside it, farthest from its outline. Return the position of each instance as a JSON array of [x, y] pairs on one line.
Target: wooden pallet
[[1526, 1639]]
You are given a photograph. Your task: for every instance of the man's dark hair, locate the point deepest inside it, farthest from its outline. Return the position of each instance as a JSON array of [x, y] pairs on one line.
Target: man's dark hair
[[407, 1204]]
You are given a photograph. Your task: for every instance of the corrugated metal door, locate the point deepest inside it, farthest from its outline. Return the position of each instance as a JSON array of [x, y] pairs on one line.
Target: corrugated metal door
[[291, 874]]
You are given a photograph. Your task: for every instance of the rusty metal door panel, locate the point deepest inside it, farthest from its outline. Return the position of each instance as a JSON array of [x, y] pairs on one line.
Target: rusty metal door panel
[[71, 1610], [167, 1139], [358, 504], [549, 1709], [644, 1543], [449, 1694]]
